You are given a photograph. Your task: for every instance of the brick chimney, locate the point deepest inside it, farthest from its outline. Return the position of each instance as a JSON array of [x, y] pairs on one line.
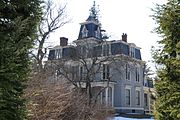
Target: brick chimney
[[124, 37], [63, 41]]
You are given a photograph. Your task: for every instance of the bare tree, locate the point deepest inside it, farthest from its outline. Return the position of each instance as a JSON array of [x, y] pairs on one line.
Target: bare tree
[[53, 98], [81, 68], [52, 19]]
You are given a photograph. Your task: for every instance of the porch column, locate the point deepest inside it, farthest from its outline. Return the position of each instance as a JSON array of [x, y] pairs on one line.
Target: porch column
[[112, 96], [107, 96]]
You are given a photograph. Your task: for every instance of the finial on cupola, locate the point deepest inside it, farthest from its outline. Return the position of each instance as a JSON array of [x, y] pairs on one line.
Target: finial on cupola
[[92, 27], [94, 11]]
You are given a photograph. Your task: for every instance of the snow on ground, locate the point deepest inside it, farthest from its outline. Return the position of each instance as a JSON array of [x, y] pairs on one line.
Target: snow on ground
[[123, 118]]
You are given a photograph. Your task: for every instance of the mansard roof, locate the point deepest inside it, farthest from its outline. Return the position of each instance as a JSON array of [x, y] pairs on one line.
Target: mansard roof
[[92, 30], [112, 48]]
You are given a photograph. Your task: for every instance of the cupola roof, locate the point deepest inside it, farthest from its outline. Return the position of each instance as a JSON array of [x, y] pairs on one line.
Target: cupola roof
[[91, 27]]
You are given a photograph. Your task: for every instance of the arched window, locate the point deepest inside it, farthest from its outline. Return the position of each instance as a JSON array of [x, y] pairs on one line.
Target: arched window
[[97, 33], [84, 32]]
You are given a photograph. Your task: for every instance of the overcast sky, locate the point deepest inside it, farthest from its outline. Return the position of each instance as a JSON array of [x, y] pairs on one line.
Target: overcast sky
[[117, 17]]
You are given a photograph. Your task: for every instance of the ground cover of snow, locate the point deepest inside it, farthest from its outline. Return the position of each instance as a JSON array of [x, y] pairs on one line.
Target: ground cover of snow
[[123, 118]]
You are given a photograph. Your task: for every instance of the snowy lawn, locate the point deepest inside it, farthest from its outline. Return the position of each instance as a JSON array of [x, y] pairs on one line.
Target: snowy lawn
[[123, 118]]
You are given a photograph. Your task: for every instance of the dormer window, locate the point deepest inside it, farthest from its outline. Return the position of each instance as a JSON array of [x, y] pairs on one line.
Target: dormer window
[[132, 52], [84, 32], [58, 53]]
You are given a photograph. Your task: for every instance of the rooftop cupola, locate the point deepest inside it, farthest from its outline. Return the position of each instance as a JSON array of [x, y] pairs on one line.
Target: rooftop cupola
[[91, 27]]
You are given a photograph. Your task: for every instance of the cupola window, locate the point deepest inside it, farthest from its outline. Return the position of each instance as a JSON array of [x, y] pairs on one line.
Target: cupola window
[[97, 33], [84, 32]]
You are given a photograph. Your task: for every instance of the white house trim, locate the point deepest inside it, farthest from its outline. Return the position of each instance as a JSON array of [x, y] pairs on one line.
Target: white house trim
[[138, 88], [128, 87], [129, 108]]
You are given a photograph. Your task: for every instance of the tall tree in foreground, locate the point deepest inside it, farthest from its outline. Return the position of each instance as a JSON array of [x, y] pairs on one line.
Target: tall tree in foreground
[[168, 57], [18, 23]]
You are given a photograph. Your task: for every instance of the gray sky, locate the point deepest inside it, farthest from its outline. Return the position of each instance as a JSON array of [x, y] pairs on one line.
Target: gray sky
[[116, 17]]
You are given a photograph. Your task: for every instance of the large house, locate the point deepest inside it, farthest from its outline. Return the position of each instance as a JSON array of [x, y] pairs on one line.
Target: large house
[[114, 65]]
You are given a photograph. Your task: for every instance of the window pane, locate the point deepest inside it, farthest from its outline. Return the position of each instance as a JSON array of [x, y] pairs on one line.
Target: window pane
[[128, 72], [127, 97], [105, 72], [137, 97], [145, 100]]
